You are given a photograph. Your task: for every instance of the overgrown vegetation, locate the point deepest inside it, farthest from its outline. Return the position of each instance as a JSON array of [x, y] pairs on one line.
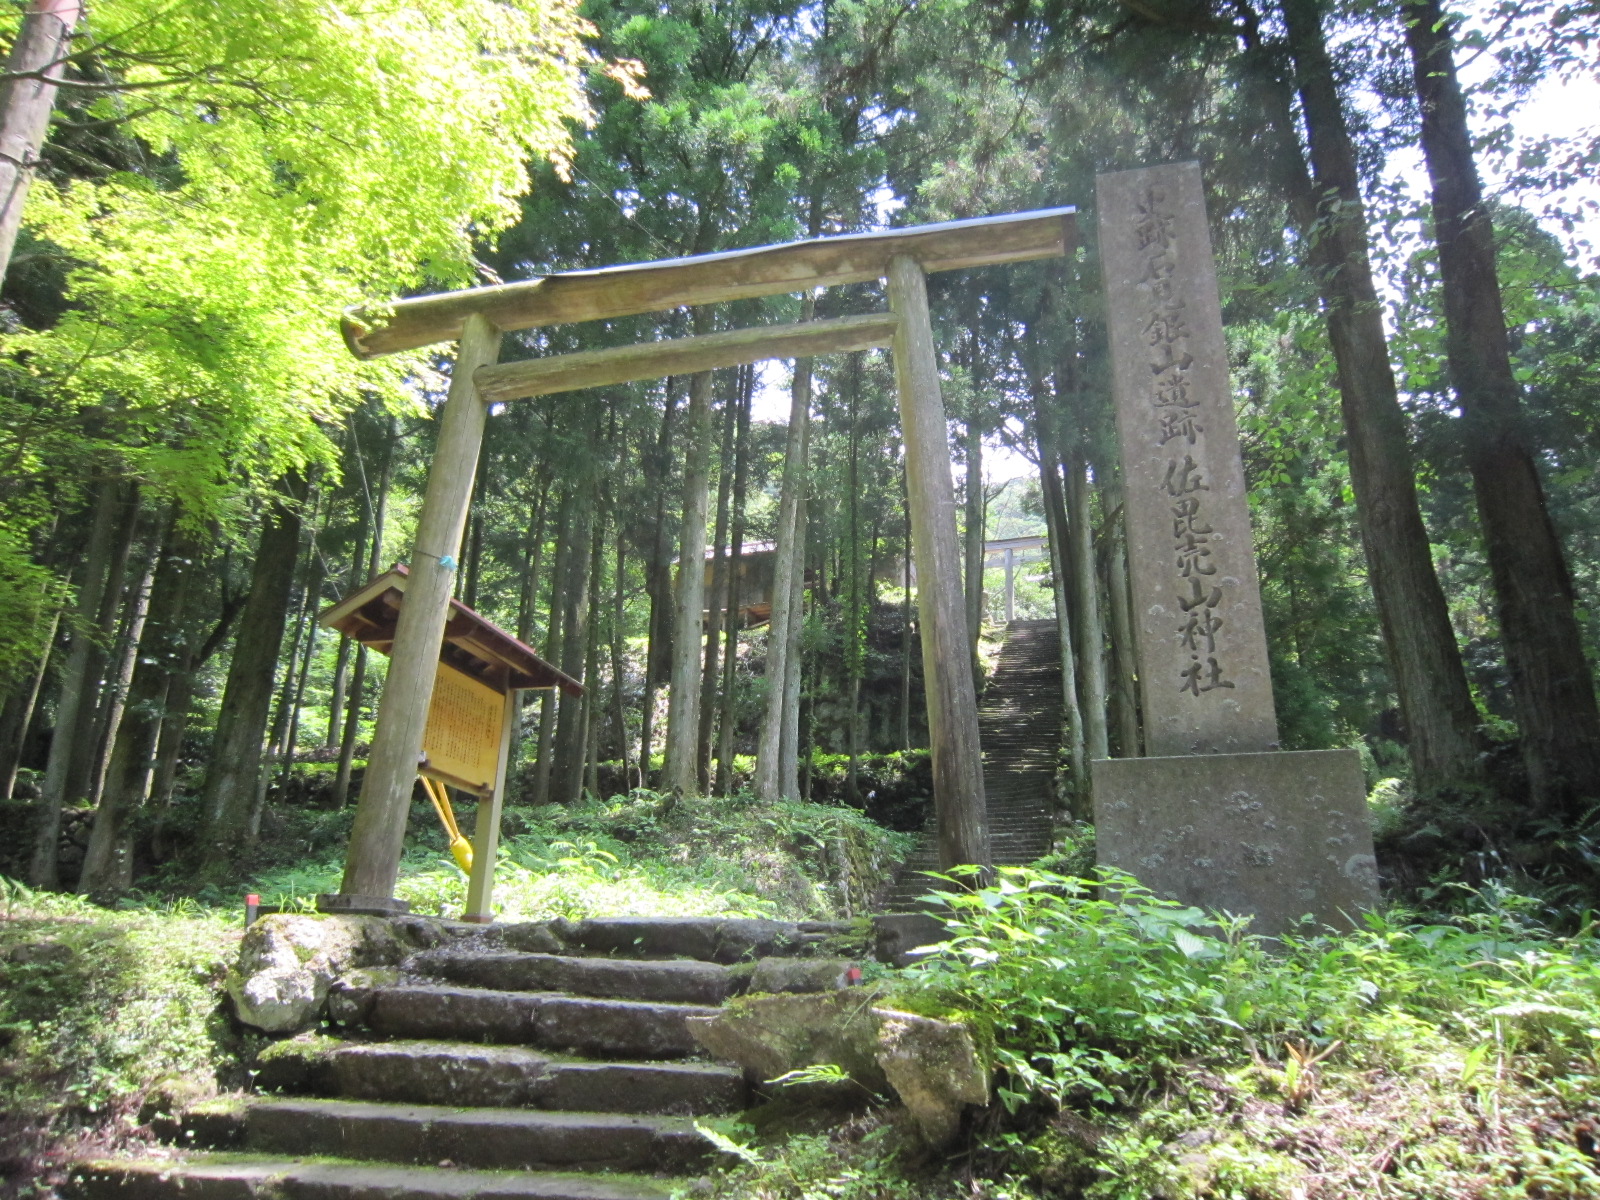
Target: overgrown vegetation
[[101, 1011], [642, 854], [1147, 1050]]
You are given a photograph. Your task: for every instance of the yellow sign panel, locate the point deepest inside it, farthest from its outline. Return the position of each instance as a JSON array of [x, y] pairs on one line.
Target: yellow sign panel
[[462, 740]]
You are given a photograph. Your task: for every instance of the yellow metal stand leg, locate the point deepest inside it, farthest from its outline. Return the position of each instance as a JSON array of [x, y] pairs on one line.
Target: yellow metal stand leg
[[460, 848]]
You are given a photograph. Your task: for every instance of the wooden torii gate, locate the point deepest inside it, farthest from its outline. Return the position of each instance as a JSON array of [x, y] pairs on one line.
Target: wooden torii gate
[[477, 317]]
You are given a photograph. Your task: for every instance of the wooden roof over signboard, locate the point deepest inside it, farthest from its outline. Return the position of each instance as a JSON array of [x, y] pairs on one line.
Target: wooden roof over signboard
[[473, 644]]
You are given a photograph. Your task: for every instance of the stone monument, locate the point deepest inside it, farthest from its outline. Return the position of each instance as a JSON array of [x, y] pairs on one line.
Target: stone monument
[[1217, 816]]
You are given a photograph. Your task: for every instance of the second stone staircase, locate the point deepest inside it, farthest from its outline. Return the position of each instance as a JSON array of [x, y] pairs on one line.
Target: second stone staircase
[[1019, 727]]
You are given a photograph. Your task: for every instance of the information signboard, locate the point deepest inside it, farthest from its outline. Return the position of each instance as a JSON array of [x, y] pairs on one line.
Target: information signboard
[[461, 744]]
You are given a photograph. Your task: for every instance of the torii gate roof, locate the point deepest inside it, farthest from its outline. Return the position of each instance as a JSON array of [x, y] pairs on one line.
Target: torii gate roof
[[627, 289]]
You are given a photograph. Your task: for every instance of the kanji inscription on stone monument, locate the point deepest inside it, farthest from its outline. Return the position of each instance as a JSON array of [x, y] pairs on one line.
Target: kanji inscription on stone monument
[[1202, 650]]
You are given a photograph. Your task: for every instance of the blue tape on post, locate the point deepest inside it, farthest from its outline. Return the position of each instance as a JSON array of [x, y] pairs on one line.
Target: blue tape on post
[[447, 562]]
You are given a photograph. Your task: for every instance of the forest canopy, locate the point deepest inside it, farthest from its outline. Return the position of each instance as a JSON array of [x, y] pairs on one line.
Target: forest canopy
[[194, 466]]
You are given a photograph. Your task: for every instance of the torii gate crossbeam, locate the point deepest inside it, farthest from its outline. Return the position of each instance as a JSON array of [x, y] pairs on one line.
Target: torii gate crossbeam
[[477, 317]]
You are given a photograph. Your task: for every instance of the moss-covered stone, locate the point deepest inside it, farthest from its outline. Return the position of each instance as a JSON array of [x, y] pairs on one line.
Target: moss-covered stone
[[770, 1036], [934, 1067], [287, 963]]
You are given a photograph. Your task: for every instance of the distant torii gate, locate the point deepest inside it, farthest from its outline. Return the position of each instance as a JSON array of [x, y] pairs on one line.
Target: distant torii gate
[[477, 317]]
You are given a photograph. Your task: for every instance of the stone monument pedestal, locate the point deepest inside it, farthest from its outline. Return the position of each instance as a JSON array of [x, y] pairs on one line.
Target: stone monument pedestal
[[1278, 835]]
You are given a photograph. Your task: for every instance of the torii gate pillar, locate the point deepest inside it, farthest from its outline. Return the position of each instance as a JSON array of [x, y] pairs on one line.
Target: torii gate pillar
[[960, 810], [373, 862]]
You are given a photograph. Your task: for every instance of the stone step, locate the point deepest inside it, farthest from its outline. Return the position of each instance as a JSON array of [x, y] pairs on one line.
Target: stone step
[[246, 1177], [483, 1138], [676, 981], [724, 940], [478, 1076], [549, 1020]]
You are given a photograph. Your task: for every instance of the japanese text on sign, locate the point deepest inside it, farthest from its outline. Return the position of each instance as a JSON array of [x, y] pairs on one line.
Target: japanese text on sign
[[462, 740]]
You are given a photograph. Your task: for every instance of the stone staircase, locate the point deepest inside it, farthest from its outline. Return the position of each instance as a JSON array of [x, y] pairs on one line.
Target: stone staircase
[[1019, 726], [549, 1062]]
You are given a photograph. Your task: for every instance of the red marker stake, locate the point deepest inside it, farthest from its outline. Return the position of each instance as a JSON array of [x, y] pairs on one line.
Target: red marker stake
[[252, 909]]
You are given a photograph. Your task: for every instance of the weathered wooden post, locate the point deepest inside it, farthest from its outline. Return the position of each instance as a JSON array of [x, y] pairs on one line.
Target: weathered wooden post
[[373, 862], [486, 832], [946, 657]]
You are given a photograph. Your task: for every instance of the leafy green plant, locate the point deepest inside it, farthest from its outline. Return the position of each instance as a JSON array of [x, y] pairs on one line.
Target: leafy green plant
[[1076, 978]]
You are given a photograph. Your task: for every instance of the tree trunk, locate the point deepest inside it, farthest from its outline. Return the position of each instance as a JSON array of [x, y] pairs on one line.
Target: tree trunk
[[794, 669], [527, 603], [905, 619], [719, 587], [73, 697], [26, 98], [308, 623], [20, 710], [658, 583], [84, 746], [175, 723], [1055, 522], [1124, 656], [1089, 631], [338, 693], [1055, 513], [593, 706], [378, 514], [247, 697], [788, 557], [854, 631], [975, 522], [566, 781], [169, 745], [278, 752], [730, 658], [680, 772], [352, 730], [619, 619], [136, 610], [1441, 720], [108, 864], [1551, 684], [544, 754], [532, 560]]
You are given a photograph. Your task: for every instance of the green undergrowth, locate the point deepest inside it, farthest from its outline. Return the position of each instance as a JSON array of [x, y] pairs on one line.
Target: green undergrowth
[[99, 1012], [1148, 1051], [644, 854], [1145, 1051]]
